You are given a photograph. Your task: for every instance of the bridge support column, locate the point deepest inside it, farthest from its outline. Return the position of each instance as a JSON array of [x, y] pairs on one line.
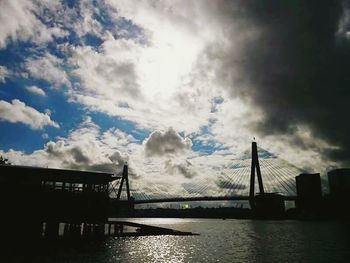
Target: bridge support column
[[255, 166], [125, 177]]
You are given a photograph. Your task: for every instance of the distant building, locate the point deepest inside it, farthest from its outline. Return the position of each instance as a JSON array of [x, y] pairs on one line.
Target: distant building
[[339, 182], [269, 205], [339, 188], [309, 192]]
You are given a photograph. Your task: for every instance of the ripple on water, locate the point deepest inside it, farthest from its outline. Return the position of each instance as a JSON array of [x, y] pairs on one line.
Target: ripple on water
[[219, 241]]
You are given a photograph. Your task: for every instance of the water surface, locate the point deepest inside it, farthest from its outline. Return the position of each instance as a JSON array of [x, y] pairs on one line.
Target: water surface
[[219, 241]]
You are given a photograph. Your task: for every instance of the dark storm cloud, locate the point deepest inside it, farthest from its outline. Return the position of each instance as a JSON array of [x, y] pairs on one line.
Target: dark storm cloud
[[297, 67]]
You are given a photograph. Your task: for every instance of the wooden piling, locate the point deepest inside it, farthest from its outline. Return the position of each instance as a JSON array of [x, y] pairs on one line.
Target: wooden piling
[[51, 230]]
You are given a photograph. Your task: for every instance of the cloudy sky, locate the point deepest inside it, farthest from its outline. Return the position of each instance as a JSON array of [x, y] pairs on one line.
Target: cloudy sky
[[178, 89]]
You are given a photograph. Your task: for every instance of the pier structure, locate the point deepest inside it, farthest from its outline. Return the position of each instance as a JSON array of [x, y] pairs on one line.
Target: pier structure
[[53, 203], [47, 202]]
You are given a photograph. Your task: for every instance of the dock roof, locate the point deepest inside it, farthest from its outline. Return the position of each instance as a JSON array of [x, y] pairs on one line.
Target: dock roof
[[14, 172]]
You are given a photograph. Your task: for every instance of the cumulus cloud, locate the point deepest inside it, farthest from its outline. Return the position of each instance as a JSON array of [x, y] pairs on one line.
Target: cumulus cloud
[[36, 90], [84, 149], [18, 111], [20, 21], [48, 67], [85, 21], [3, 73], [184, 168], [83, 156], [140, 65], [87, 148], [165, 143], [118, 158], [108, 74]]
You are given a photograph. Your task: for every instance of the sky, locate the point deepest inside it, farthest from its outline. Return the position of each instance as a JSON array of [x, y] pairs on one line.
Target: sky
[[177, 89]]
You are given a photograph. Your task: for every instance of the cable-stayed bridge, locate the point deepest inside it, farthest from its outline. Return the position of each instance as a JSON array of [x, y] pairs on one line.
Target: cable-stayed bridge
[[235, 182]]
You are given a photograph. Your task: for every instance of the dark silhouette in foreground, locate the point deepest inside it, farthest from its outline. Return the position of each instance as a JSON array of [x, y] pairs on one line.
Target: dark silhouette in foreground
[[52, 203]]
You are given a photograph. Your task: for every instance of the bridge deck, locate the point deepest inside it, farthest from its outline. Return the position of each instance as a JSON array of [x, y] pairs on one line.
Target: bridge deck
[[200, 198]]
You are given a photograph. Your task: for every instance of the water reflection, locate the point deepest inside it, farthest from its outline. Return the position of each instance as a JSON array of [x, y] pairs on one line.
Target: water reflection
[[148, 249], [297, 241], [219, 241]]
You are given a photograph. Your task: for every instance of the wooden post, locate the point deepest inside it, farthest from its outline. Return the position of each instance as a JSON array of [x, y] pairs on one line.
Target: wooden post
[[109, 229], [52, 229]]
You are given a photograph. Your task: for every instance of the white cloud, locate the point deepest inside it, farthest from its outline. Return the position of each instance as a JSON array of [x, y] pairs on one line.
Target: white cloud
[[19, 21], [41, 22], [108, 74], [87, 23], [163, 71], [168, 80], [302, 149], [48, 67], [36, 90], [18, 111], [3, 73], [87, 148], [184, 168], [166, 143]]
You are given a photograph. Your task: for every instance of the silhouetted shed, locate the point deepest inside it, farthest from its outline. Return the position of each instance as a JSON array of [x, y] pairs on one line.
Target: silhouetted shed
[[58, 195]]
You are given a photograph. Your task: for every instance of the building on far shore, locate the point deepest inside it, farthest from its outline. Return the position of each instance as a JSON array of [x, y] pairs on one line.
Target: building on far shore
[[339, 192], [309, 193], [339, 182]]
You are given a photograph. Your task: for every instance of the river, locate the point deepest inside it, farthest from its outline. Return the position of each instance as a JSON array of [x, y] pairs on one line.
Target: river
[[220, 240]]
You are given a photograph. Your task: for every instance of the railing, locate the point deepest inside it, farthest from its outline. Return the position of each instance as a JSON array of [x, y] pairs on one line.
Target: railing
[[47, 186]]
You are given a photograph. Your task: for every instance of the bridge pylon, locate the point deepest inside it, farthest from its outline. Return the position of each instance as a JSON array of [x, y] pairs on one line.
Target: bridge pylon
[[263, 205], [255, 166], [125, 177]]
